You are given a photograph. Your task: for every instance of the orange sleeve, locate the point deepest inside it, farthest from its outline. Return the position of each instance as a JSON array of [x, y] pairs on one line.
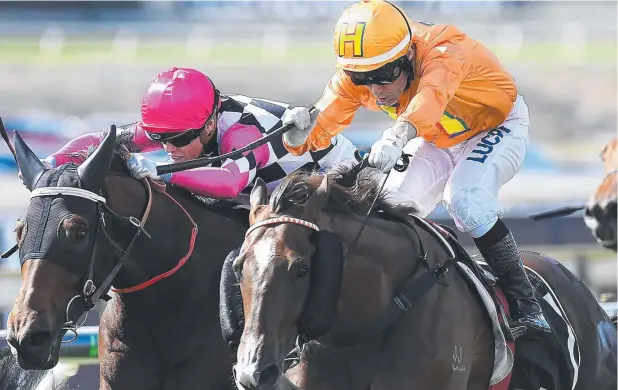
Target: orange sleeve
[[443, 69], [338, 104]]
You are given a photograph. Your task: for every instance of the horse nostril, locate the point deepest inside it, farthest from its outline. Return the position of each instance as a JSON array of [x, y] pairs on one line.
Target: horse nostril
[[269, 375], [37, 340]]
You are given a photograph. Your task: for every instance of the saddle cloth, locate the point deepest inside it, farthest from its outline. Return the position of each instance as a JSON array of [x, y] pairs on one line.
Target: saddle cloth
[[548, 361]]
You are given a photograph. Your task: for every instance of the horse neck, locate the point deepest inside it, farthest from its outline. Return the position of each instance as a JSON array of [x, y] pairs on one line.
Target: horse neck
[[171, 230], [380, 274]]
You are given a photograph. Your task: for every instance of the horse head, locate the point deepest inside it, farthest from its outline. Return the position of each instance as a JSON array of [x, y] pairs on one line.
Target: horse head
[[281, 260], [64, 258], [600, 212]]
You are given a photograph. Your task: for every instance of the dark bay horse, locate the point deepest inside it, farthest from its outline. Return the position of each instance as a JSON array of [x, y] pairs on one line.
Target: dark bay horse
[[88, 226], [600, 212], [295, 286]]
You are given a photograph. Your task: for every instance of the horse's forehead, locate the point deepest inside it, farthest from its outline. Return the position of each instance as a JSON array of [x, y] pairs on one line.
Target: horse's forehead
[[264, 251], [68, 178], [59, 177], [274, 245]]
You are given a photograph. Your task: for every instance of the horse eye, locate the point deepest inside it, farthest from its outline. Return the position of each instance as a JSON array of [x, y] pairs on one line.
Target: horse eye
[[76, 234], [301, 272], [80, 235]]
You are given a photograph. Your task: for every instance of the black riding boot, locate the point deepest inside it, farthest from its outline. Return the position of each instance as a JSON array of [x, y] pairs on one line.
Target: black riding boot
[[499, 249]]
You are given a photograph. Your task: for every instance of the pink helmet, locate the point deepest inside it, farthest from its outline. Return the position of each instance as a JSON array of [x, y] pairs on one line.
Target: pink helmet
[[178, 99]]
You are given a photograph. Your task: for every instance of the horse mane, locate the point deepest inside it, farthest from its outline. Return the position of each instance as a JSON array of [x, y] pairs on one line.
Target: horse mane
[[350, 191]]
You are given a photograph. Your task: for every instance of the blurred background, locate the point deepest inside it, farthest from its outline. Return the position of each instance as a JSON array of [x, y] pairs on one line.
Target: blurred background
[[71, 67]]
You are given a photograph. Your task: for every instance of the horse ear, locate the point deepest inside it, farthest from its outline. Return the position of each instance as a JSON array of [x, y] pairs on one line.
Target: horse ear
[[258, 199], [259, 194], [317, 201], [93, 171], [29, 164]]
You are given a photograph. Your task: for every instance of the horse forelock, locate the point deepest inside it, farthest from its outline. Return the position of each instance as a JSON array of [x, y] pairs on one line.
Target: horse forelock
[[296, 189]]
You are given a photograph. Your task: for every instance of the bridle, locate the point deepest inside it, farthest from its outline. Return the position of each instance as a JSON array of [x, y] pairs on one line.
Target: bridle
[[363, 162], [90, 293], [401, 302], [283, 219]]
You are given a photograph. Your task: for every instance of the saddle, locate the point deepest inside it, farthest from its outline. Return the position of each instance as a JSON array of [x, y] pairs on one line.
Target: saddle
[[543, 360]]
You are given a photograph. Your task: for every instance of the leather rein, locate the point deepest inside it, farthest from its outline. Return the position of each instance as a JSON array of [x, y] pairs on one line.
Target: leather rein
[[90, 294]]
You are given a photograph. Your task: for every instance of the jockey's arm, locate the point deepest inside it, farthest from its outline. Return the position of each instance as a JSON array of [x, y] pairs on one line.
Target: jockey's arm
[[338, 104], [76, 150], [233, 176], [443, 69]]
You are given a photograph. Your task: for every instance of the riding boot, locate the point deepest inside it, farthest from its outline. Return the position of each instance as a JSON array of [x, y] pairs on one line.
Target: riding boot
[[499, 249]]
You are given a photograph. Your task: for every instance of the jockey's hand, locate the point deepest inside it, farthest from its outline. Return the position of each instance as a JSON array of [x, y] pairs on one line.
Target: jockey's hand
[[387, 150], [142, 167], [303, 124], [384, 154]]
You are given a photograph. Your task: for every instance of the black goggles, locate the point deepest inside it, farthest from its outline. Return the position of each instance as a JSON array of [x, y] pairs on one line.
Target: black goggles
[[383, 75], [179, 140], [183, 138]]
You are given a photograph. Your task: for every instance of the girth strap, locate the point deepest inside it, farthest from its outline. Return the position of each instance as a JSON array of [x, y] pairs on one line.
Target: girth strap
[[415, 287]]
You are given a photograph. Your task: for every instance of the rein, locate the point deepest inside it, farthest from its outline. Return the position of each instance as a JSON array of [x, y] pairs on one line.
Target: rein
[[181, 262], [415, 287], [90, 293]]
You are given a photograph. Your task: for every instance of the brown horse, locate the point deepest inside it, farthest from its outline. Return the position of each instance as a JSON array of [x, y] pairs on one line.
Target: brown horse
[[600, 213], [295, 285], [161, 331]]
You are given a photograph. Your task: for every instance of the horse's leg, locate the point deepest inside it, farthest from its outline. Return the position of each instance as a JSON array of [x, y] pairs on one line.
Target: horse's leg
[[335, 369], [197, 374], [286, 384], [210, 366], [126, 353]]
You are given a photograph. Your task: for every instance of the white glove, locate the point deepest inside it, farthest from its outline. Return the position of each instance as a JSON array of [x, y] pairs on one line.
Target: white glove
[[384, 154], [142, 167], [387, 150], [303, 124]]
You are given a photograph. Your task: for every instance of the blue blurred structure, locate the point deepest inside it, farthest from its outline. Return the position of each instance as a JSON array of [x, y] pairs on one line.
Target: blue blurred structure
[[44, 134]]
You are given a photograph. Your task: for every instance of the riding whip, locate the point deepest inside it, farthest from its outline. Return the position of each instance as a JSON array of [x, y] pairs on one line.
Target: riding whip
[[204, 161], [561, 212]]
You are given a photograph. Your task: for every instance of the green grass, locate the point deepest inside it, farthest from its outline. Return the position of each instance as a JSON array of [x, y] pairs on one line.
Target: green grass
[[96, 51], [80, 361]]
